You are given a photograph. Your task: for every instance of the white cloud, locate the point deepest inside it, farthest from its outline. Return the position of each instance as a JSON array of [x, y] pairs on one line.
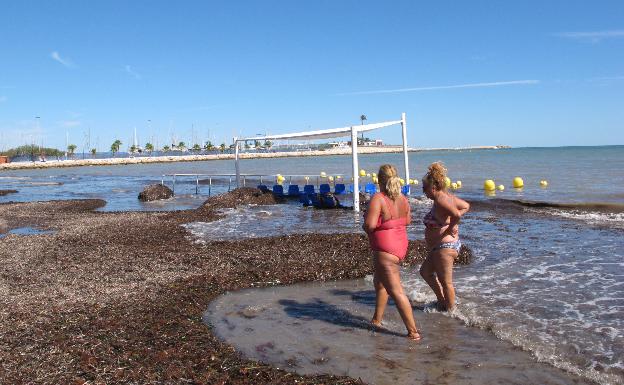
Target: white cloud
[[593, 36], [70, 123], [3, 99], [431, 88], [132, 72], [67, 62]]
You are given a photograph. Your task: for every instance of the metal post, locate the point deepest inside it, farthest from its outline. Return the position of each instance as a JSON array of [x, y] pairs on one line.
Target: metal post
[[209, 186], [405, 157], [236, 162], [230, 184], [173, 189], [196, 184], [354, 161]]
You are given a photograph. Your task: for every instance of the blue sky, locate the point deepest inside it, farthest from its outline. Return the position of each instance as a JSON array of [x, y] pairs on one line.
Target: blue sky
[[525, 73]]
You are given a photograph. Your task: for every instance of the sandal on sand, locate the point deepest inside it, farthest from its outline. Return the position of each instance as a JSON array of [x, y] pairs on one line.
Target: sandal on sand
[[414, 336]]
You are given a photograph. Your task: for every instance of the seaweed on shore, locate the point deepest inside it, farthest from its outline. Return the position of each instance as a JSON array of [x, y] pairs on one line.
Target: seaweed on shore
[[118, 297]]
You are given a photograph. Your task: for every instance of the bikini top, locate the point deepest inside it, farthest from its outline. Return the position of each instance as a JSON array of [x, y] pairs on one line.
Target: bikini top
[[431, 222]]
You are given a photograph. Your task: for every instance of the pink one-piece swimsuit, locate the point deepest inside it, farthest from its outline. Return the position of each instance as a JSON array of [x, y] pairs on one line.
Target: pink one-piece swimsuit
[[390, 236]]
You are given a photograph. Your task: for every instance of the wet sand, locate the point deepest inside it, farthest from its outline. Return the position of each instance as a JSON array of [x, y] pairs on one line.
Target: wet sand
[[119, 297]]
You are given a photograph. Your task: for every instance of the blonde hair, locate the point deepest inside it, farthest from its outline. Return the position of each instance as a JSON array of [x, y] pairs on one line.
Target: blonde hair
[[436, 176], [389, 181]]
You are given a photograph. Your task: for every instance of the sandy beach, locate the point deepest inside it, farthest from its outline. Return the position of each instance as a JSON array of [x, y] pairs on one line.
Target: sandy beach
[[118, 297], [243, 155]]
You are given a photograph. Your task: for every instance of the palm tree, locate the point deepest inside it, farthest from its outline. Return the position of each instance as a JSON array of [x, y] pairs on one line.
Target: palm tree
[[208, 146], [362, 119], [222, 147], [115, 146], [196, 148], [166, 148], [268, 144], [181, 146], [149, 147], [247, 146], [93, 152], [71, 148]]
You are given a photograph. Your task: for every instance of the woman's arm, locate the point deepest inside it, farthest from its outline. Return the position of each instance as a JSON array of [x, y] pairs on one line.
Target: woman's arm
[[409, 212], [372, 214], [462, 206]]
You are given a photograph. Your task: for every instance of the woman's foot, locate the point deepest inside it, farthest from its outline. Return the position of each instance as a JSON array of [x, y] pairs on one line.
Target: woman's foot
[[414, 336], [375, 324], [440, 306]]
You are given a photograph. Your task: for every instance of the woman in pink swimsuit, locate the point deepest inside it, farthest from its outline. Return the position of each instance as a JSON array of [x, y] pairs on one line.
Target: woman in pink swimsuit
[[385, 223], [441, 235]]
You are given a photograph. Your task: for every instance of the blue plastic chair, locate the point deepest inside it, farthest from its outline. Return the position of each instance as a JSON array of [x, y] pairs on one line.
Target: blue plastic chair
[[293, 190], [309, 189], [405, 190], [263, 188], [324, 188], [370, 188], [340, 189], [278, 190], [351, 188]]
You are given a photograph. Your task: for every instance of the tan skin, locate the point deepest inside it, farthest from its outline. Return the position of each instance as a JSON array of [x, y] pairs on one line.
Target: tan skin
[[387, 279], [437, 269]]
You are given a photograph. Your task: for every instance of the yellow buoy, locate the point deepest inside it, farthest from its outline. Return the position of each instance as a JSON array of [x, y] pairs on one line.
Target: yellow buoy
[[375, 180], [454, 186], [415, 181], [374, 175], [458, 184], [402, 181], [518, 182], [323, 174], [489, 185], [411, 181], [368, 175], [307, 178], [447, 180], [330, 178], [501, 187], [362, 172], [543, 183]]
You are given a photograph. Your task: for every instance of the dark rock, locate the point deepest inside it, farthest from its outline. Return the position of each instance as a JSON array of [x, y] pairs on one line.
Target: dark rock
[[242, 196], [155, 192], [6, 192], [4, 227]]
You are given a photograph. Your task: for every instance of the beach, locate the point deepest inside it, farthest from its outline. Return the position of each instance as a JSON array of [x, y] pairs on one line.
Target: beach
[[119, 297], [103, 285]]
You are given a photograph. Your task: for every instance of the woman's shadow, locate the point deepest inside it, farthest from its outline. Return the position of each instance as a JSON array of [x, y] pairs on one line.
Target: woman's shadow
[[317, 309]]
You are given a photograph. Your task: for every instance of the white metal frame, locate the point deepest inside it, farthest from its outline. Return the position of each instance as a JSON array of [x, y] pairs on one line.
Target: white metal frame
[[334, 133]]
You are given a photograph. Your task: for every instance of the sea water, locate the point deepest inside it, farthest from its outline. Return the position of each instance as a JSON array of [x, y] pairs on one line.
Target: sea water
[[548, 279]]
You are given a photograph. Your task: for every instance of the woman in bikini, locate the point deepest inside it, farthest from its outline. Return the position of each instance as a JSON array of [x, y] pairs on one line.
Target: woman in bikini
[[441, 235], [385, 223]]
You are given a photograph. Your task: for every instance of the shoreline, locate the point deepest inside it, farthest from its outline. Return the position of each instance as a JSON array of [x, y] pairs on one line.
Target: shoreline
[[244, 155]]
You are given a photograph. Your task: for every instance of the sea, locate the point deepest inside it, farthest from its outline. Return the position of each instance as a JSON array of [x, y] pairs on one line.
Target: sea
[[544, 294]]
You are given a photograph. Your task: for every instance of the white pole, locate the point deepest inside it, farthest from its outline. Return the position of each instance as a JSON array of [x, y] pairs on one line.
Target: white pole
[[236, 161], [405, 160], [356, 167]]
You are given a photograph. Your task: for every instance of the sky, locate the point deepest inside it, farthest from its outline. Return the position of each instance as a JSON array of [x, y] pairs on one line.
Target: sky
[[523, 73]]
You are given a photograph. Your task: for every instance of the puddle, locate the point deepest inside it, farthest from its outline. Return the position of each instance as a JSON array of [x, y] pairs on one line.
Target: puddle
[[323, 328]]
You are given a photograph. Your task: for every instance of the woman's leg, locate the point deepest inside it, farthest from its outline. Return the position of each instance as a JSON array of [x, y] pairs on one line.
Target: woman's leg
[[388, 274], [443, 265], [381, 295], [427, 271]]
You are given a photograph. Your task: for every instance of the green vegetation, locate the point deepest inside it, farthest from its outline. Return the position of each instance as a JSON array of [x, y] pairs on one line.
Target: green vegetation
[[115, 146], [209, 146], [166, 148], [71, 149], [93, 152], [31, 150], [149, 147], [196, 148]]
